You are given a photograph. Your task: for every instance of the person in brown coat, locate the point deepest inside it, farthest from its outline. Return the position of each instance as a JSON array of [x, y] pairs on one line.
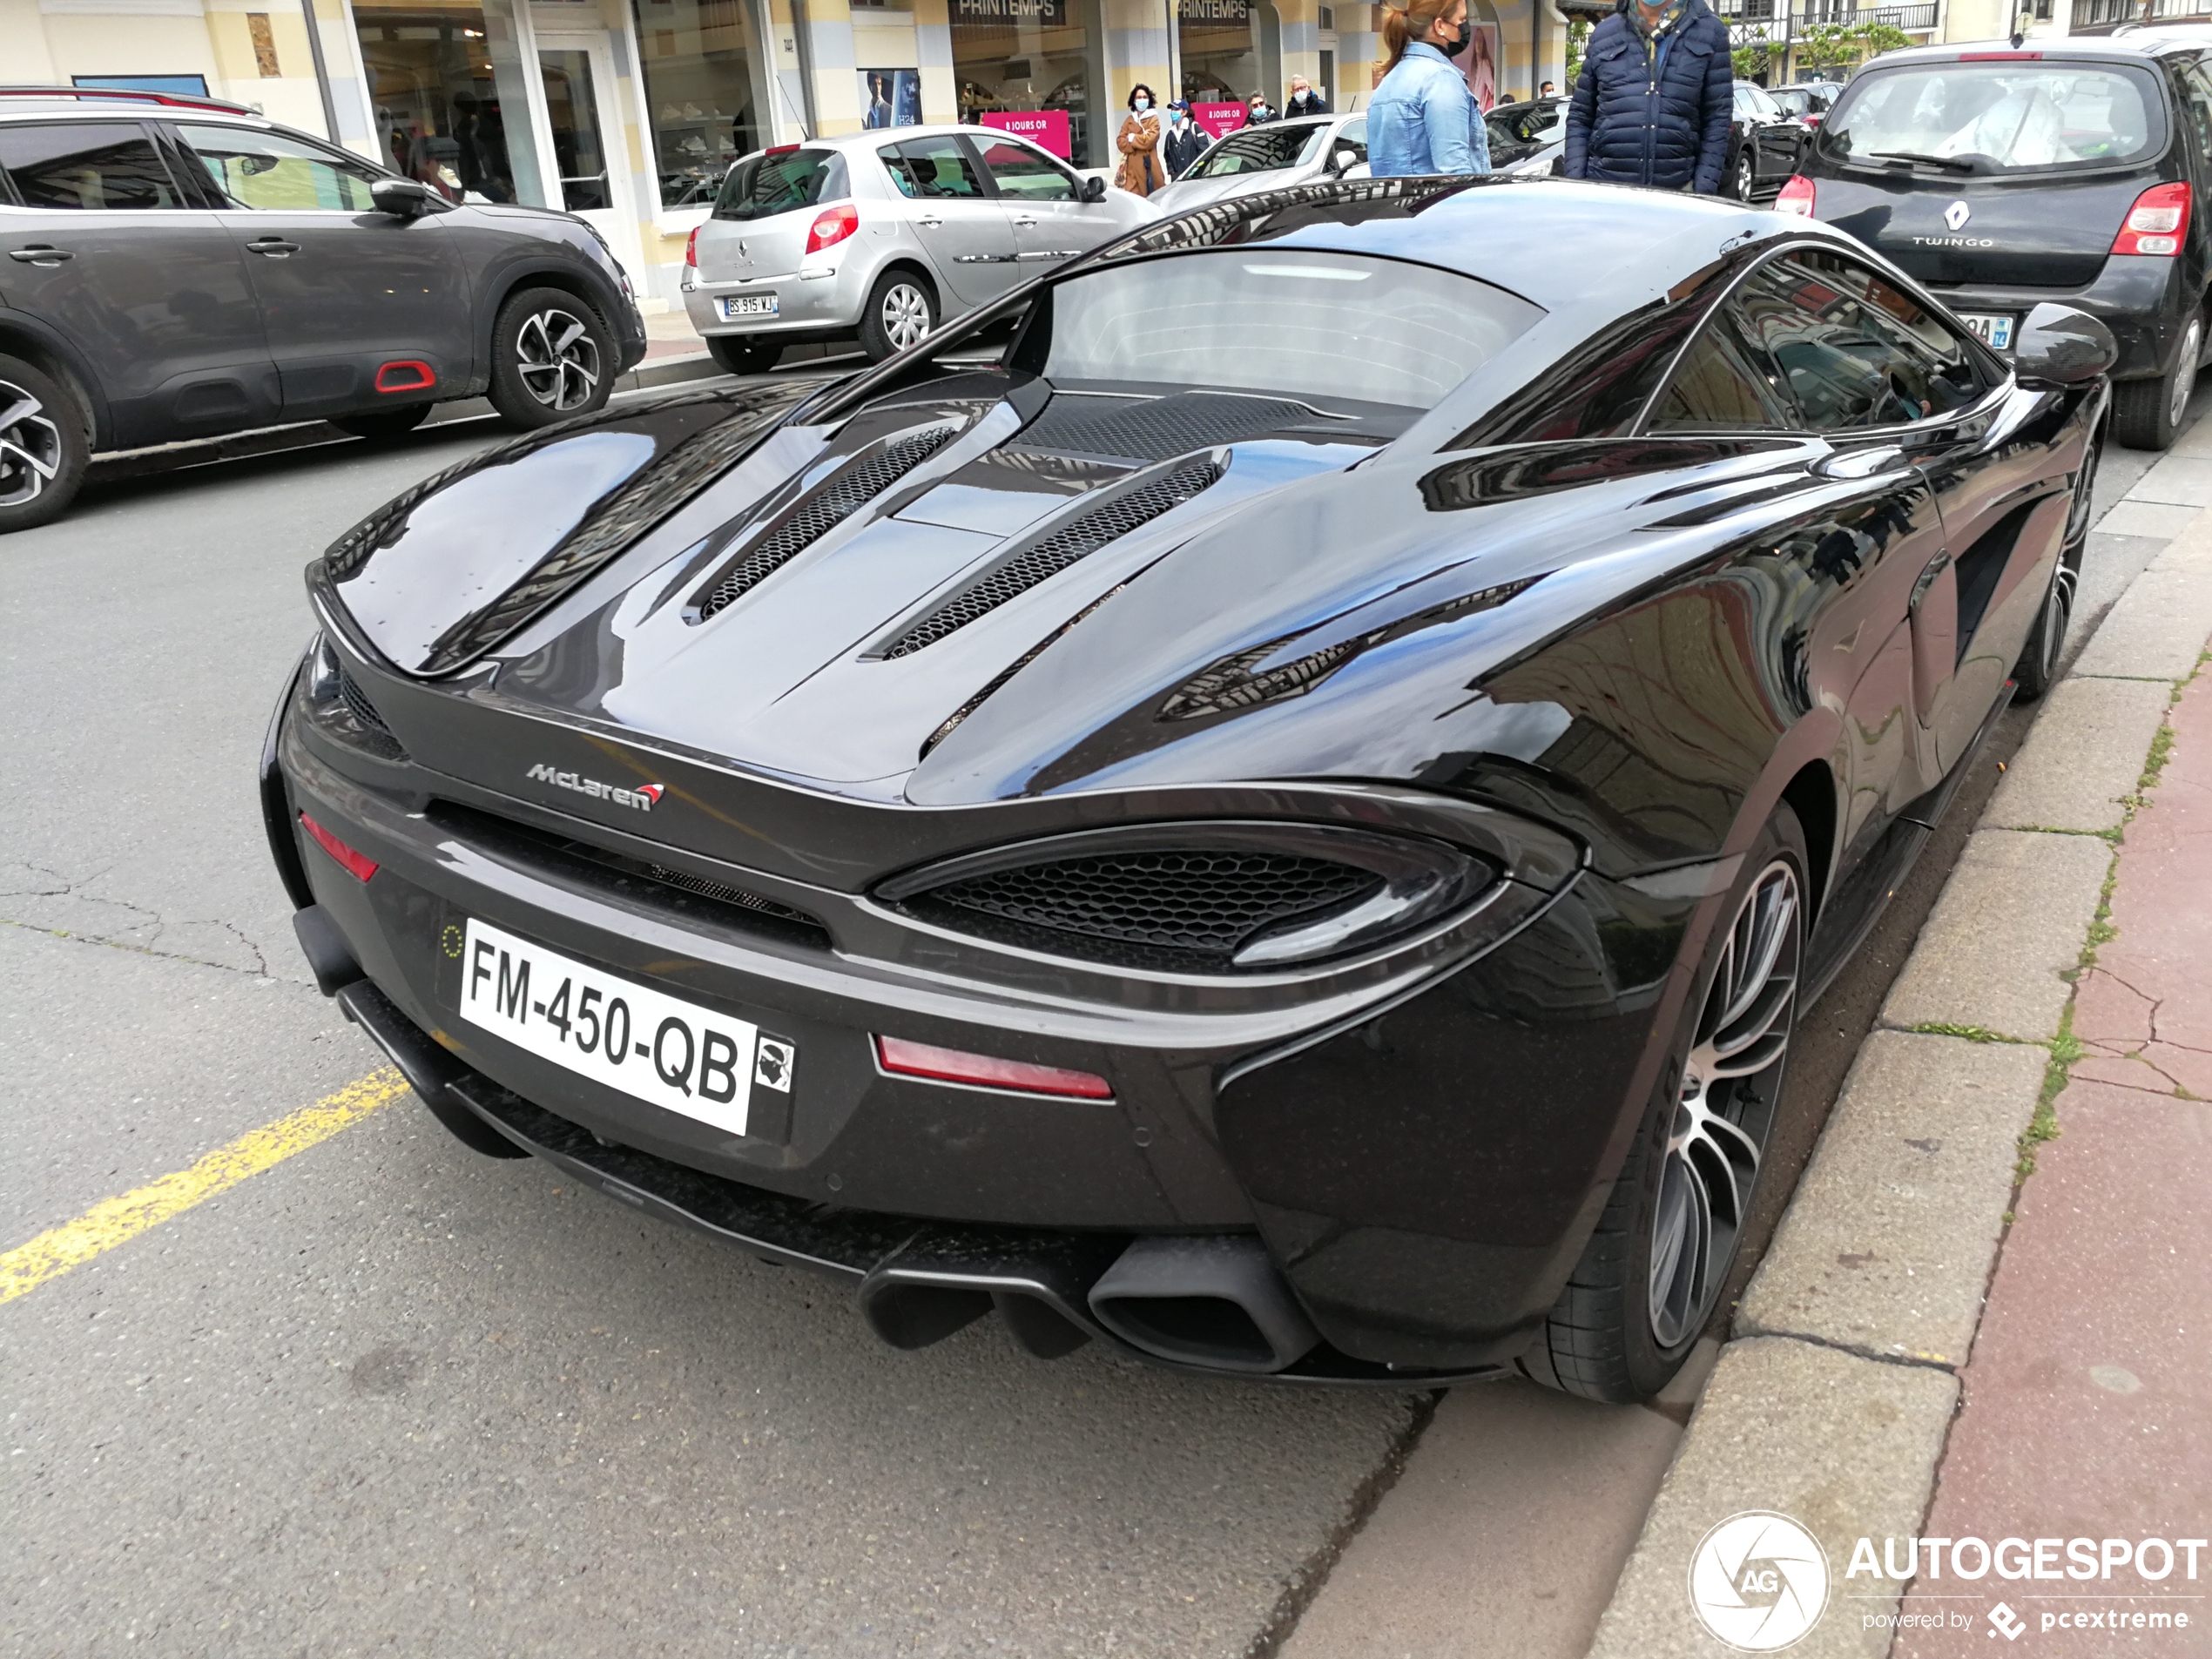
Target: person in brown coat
[[1142, 170]]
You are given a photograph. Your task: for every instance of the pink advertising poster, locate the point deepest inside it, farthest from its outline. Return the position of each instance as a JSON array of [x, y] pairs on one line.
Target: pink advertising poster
[[1219, 120], [1482, 67], [1045, 128]]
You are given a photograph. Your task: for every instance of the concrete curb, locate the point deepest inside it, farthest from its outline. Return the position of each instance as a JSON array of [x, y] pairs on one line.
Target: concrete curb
[[1833, 1400]]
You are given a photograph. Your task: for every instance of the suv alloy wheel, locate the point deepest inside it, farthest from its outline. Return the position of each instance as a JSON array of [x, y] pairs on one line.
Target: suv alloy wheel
[[43, 446], [551, 359]]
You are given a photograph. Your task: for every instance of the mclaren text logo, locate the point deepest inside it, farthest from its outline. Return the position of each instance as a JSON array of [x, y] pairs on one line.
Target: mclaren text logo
[[643, 797], [1758, 1582]]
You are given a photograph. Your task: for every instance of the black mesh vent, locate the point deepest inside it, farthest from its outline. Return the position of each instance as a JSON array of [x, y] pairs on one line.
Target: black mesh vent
[[829, 506], [728, 894], [358, 705], [1078, 538], [1189, 909], [1158, 429]]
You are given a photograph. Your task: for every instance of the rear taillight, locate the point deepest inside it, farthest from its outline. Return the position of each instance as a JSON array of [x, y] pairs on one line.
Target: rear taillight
[[831, 226], [1797, 196], [987, 1071], [358, 865], [692, 248], [2156, 224]]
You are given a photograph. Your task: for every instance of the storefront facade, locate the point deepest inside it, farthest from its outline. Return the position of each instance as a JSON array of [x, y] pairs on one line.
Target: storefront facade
[[629, 112]]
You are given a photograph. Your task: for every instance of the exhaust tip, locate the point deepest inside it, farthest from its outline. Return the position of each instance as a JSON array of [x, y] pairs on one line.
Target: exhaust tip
[[1215, 1301]]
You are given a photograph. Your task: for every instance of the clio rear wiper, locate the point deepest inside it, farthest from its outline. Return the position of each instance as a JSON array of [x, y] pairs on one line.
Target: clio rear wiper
[[1952, 164]]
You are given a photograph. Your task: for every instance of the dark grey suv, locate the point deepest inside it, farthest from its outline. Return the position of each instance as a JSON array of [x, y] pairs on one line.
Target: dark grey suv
[[179, 268]]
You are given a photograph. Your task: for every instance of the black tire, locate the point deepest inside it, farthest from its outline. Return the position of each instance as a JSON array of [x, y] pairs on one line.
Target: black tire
[[2147, 414], [900, 299], [744, 353], [44, 448], [2038, 668], [551, 358], [384, 424], [1651, 1276], [1742, 177]]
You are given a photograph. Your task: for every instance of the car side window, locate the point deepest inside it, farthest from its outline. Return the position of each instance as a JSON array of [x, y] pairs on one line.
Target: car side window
[[1722, 384], [2197, 103], [1025, 175], [1843, 369], [269, 171], [932, 169], [87, 165]]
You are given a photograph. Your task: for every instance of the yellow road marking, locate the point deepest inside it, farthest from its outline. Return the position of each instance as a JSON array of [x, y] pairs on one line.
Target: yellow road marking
[[118, 1220]]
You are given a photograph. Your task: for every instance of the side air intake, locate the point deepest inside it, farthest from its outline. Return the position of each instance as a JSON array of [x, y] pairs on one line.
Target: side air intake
[[1074, 539], [818, 514]]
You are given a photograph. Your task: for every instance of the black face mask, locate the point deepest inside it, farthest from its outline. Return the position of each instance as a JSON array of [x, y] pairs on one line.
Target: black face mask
[[1457, 48]]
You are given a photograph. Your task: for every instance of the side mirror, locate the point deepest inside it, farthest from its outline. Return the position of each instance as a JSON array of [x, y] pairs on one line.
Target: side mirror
[[404, 198], [2058, 346], [1344, 159], [1094, 190]]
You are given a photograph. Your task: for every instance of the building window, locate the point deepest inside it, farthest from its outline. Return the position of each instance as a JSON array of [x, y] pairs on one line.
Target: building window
[[446, 79], [702, 59], [1011, 56], [1220, 51]]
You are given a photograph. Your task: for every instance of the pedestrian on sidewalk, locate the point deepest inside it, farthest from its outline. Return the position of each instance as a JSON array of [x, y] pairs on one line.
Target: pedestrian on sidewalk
[[1304, 100], [1139, 141], [1257, 112], [1423, 117], [1654, 101], [1186, 141]]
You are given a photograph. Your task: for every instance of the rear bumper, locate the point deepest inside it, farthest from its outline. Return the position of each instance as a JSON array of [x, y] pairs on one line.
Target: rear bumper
[[2141, 300], [1424, 1160], [806, 305]]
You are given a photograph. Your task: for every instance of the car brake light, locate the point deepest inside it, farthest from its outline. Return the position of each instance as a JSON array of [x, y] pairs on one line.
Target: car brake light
[[692, 248], [780, 150], [1797, 196], [358, 865], [833, 226], [987, 1071], [1994, 58], [2157, 223]]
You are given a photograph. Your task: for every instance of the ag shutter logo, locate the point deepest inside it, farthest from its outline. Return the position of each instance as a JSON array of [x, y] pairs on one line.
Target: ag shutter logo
[[642, 797], [1758, 1582]]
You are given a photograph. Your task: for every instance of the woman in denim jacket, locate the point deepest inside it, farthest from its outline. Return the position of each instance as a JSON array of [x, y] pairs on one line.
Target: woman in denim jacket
[[1423, 119]]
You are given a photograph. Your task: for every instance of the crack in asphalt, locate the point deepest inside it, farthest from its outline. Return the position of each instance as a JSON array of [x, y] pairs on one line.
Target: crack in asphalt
[[47, 883], [1909, 1361]]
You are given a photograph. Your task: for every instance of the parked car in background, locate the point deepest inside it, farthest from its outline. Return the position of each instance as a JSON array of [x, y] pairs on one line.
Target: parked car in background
[[1302, 150], [180, 267], [1807, 102], [1764, 143], [2003, 179], [884, 237], [1529, 137]]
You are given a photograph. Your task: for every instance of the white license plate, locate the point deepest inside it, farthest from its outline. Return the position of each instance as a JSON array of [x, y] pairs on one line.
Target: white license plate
[[1994, 328], [666, 1052], [748, 304]]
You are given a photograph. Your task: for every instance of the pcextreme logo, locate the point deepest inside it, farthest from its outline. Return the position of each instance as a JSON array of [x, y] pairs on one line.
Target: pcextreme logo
[[643, 799], [1758, 1582]]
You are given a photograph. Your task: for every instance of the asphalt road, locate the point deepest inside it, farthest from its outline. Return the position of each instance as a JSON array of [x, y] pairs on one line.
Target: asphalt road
[[390, 1396]]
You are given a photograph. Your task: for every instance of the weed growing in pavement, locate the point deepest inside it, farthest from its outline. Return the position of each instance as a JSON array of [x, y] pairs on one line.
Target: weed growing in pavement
[[2066, 1048], [1970, 1033]]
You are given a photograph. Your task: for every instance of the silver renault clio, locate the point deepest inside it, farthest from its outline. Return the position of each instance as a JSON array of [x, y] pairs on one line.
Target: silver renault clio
[[884, 234]]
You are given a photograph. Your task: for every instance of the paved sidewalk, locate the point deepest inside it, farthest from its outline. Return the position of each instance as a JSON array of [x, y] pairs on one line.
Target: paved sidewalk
[[2088, 1405]]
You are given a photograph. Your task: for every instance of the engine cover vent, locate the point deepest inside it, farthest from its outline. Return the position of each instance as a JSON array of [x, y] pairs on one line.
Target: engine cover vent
[[1159, 429], [830, 505], [1074, 539], [358, 705]]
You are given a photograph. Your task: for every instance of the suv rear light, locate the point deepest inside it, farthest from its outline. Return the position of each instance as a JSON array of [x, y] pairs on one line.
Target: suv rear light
[[1797, 196], [358, 865], [831, 226], [2157, 223], [692, 248], [986, 1071]]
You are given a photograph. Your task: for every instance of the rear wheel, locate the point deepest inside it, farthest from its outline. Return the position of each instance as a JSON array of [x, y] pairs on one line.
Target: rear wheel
[[1654, 1269], [43, 449], [901, 311], [551, 358], [1744, 178], [2038, 667], [2147, 414], [384, 423], [744, 353]]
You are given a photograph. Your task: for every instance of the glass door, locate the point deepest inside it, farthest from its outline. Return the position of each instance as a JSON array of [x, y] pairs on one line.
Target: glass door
[[585, 130]]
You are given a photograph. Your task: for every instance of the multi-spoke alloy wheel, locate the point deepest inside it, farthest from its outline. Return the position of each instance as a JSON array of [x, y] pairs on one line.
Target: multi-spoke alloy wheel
[[1726, 1108], [32, 450], [557, 359], [901, 311], [906, 315]]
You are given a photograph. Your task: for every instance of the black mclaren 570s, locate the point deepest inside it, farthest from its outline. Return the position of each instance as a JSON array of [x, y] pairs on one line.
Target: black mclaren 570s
[[1271, 799]]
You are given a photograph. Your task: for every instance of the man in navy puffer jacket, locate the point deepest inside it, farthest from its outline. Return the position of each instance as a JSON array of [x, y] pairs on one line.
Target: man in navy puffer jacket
[[1655, 99]]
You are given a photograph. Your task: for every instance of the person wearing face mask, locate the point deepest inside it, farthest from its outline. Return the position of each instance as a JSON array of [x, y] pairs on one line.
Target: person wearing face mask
[[1256, 114], [1653, 103], [1139, 142], [1304, 100], [1423, 118], [1185, 141]]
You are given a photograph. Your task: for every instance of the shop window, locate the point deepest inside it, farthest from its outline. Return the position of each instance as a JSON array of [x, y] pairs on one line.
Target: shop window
[[1220, 47], [447, 82], [701, 58], [1012, 57]]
